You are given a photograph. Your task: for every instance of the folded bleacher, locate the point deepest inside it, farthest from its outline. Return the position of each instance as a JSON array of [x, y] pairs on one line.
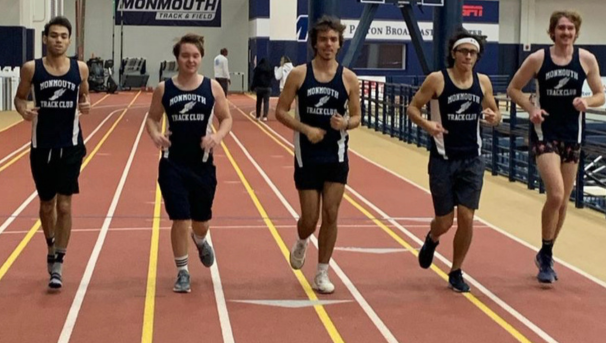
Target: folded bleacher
[[168, 69], [133, 73]]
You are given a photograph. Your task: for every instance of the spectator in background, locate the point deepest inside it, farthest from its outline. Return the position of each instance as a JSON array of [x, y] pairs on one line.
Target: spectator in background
[[261, 85], [222, 70], [283, 70]]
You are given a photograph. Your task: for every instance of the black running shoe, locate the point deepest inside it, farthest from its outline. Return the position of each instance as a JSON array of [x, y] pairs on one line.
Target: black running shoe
[[456, 282], [427, 251]]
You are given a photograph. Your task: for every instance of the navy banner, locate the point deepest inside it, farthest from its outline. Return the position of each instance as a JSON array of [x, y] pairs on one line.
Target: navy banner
[[479, 17], [169, 12]]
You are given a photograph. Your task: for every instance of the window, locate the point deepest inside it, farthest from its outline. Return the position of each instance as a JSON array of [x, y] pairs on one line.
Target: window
[[382, 56]]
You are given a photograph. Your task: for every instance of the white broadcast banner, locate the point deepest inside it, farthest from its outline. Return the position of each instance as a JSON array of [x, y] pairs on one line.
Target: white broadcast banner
[[397, 30]]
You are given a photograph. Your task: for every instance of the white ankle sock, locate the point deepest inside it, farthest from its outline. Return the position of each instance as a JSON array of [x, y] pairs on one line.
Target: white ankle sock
[[322, 267], [182, 263]]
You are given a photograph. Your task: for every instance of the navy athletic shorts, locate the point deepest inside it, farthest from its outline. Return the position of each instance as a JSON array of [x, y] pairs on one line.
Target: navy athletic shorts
[[188, 191]]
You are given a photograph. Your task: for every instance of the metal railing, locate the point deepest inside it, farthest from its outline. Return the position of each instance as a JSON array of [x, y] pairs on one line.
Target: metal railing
[[505, 148]]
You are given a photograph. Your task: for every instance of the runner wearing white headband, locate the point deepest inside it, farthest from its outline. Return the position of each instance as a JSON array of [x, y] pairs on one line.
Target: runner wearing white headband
[[467, 40], [456, 168]]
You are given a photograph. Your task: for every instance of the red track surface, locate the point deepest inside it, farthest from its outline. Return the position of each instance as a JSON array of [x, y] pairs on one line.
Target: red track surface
[[403, 301]]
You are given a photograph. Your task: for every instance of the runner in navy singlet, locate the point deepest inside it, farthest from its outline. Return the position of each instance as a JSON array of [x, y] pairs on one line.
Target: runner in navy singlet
[[187, 175], [60, 91], [461, 98], [328, 104], [556, 135]]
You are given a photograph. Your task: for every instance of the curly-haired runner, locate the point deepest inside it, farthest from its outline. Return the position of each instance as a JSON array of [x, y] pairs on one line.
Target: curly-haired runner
[[456, 169], [328, 104]]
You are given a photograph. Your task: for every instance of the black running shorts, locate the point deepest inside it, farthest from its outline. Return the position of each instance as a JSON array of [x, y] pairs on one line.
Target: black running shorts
[[56, 171], [188, 191], [455, 182], [313, 176]]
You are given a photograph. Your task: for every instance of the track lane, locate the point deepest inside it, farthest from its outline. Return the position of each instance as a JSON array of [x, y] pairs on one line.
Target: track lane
[[24, 293], [511, 276], [363, 268]]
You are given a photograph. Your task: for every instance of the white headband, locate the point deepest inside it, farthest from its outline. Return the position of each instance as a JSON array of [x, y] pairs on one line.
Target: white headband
[[467, 40]]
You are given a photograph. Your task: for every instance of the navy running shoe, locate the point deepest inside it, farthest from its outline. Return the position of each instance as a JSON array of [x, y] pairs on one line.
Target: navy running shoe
[[545, 264], [456, 282], [427, 251]]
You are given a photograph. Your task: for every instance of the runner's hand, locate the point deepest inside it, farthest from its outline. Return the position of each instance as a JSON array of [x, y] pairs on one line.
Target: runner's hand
[[315, 134], [30, 114]]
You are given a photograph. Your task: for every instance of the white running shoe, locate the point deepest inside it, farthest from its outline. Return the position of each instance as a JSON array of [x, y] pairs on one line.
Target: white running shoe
[[297, 254], [322, 284]]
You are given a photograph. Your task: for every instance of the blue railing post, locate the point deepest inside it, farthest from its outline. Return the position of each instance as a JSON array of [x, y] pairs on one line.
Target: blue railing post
[[408, 121], [578, 190], [376, 101], [513, 119], [385, 103], [402, 113], [494, 148], [364, 98], [531, 162], [392, 110]]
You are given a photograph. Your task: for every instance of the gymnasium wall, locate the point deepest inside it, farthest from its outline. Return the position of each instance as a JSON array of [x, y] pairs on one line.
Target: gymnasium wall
[[592, 12], [10, 14], [17, 31], [509, 20], [513, 24], [525, 22], [69, 10], [154, 43]]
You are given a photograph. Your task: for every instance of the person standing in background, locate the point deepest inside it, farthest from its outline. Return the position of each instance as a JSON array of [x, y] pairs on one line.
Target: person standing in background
[[261, 85], [222, 70], [283, 70]]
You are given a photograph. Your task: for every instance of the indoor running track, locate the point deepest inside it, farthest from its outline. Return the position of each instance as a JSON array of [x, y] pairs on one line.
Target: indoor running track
[[119, 269]]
